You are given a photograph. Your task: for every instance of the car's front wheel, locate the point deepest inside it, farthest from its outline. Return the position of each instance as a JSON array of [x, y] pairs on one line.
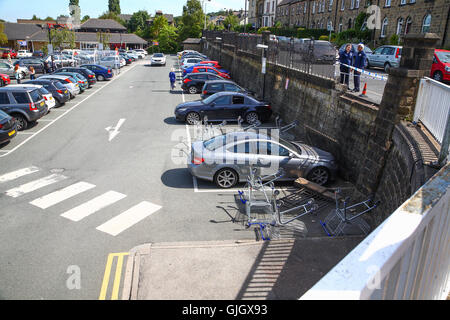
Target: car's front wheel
[[192, 118], [226, 178], [319, 175]]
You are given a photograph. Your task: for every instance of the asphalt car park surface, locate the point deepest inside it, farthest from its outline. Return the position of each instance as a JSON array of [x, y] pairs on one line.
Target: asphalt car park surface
[[101, 175]]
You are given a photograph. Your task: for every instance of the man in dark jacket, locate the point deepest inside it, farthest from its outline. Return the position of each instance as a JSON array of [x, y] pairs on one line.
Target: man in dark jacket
[[358, 62], [345, 57]]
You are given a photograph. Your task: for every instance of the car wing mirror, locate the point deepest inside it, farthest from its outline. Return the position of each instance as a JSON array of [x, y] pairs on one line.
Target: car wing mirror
[[213, 104], [291, 155]]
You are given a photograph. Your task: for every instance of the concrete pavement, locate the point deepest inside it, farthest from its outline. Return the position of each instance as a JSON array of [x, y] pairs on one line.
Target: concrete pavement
[[231, 270]]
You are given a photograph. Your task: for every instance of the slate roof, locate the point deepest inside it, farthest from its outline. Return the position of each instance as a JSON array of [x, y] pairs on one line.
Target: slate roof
[[102, 24], [20, 31], [92, 37]]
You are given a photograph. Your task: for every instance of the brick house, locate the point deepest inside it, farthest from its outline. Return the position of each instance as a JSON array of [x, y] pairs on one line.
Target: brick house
[[395, 16]]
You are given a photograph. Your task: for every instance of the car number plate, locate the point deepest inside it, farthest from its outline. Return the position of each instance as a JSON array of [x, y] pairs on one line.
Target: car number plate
[[11, 133], [42, 104]]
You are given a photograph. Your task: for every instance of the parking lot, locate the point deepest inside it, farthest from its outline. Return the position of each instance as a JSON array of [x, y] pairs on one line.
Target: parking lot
[[104, 173]]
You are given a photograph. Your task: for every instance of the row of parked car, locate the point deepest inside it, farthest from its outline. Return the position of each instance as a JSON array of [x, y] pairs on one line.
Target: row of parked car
[[226, 159], [25, 103]]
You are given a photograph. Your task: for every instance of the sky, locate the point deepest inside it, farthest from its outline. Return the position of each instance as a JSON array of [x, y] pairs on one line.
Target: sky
[[25, 9]]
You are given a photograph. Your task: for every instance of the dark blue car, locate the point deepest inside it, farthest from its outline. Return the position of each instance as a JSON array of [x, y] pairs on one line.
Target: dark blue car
[[189, 70], [101, 73]]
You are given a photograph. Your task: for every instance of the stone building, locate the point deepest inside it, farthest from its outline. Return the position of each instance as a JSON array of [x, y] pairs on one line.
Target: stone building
[[251, 12], [394, 16]]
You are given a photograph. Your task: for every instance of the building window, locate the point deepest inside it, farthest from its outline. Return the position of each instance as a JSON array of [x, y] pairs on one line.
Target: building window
[[426, 23], [357, 4], [349, 23], [387, 3], [330, 5], [343, 5], [352, 4], [340, 25], [408, 25], [402, 2], [304, 9], [384, 27], [412, 1], [399, 26]]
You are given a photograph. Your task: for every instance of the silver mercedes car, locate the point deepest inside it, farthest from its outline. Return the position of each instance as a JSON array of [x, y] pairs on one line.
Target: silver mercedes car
[[227, 159]]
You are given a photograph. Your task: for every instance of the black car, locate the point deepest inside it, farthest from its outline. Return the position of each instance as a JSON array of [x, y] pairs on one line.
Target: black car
[[26, 105], [88, 74], [193, 82], [213, 86], [224, 106], [58, 90], [8, 127], [36, 63]]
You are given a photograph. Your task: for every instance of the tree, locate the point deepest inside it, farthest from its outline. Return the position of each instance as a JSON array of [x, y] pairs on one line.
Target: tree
[[85, 18], [192, 20], [113, 16], [114, 6], [103, 38], [62, 38], [3, 36], [138, 21], [159, 23], [167, 39], [74, 3], [231, 22]]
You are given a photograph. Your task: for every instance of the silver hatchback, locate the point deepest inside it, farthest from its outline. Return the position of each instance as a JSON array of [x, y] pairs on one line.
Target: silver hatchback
[[227, 159], [385, 57]]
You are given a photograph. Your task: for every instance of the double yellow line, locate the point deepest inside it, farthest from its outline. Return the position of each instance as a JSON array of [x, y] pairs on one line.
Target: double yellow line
[[117, 276]]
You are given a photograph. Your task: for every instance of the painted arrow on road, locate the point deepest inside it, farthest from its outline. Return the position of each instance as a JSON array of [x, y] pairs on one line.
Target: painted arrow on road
[[114, 131]]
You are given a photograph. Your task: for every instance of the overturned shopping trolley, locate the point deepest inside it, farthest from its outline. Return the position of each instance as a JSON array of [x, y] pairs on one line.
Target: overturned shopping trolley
[[262, 208], [348, 220]]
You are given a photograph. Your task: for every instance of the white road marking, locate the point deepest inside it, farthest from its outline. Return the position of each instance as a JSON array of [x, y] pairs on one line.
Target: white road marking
[[92, 206], [34, 185], [128, 218], [114, 131], [66, 111], [61, 195], [18, 173]]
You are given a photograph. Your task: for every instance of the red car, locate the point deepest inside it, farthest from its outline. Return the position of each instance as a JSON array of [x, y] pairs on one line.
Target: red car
[[4, 80], [214, 64], [11, 52], [210, 69], [440, 69]]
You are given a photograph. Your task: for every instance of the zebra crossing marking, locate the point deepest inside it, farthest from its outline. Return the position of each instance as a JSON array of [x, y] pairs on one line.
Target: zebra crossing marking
[[61, 195]]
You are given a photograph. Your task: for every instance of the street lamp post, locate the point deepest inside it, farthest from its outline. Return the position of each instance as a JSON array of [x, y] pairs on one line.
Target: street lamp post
[[204, 3], [263, 66]]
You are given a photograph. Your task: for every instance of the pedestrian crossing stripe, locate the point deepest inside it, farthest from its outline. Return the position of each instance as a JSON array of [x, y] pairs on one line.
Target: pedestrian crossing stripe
[[113, 226], [117, 276]]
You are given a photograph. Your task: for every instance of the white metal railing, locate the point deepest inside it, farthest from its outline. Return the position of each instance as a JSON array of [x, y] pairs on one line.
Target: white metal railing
[[406, 257], [433, 107]]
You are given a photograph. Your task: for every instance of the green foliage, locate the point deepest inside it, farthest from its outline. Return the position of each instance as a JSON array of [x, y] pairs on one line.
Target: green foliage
[[138, 21], [113, 16], [394, 40], [167, 39], [262, 29], [324, 38], [103, 38], [62, 38], [3, 36], [192, 20], [74, 2], [85, 18], [159, 23], [114, 6], [231, 22]]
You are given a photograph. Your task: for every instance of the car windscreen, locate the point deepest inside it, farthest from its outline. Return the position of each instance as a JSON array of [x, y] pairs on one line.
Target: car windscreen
[[214, 143], [43, 91], [36, 95], [59, 85], [210, 99], [158, 55], [443, 56]]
